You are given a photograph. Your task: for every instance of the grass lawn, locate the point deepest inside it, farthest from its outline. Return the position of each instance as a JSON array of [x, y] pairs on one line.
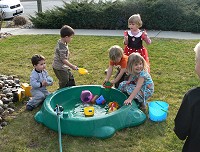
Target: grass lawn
[[172, 70]]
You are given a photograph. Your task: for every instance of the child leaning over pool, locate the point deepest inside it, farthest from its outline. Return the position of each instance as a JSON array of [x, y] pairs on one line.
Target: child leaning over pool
[[117, 58], [140, 85], [39, 80]]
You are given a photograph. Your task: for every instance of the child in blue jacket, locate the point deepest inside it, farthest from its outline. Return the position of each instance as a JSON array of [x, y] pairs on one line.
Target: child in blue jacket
[[39, 80]]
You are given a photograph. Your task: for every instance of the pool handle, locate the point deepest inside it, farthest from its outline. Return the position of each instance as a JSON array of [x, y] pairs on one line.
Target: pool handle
[[161, 106]]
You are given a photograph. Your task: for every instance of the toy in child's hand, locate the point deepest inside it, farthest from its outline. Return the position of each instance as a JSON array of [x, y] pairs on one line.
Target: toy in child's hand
[[144, 35], [82, 71], [113, 106], [125, 33], [49, 80], [107, 84]]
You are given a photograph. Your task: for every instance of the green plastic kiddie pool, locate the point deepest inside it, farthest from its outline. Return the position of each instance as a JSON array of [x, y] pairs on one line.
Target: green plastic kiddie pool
[[101, 125]]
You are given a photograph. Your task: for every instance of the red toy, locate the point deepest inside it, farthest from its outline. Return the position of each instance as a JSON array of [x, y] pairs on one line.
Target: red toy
[[125, 33], [113, 106]]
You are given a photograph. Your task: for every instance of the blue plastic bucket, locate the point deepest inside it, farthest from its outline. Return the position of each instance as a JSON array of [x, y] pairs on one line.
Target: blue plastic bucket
[[100, 100], [158, 110]]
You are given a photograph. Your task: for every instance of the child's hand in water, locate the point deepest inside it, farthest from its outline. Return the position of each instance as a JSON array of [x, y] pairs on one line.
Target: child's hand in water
[[127, 102]]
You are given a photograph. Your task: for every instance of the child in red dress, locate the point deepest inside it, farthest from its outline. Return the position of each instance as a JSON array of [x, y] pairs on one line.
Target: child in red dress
[[133, 38]]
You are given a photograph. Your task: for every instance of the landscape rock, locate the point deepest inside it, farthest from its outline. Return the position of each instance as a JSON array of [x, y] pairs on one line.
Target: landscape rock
[[8, 86]]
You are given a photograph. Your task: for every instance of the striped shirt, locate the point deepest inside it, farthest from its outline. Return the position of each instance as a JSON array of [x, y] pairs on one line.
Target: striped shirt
[[61, 52]]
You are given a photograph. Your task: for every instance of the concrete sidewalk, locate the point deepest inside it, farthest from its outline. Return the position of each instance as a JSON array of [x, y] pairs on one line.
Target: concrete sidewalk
[[152, 34]]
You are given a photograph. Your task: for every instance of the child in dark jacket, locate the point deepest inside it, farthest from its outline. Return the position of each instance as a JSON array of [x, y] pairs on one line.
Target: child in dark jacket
[[187, 124]]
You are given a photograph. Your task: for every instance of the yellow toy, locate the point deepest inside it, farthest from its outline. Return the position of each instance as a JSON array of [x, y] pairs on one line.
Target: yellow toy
[[82, 71], [89, 111], [27, 89], [113, 106]]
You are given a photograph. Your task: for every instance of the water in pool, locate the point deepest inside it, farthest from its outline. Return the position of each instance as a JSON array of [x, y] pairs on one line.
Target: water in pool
[[77, 110]]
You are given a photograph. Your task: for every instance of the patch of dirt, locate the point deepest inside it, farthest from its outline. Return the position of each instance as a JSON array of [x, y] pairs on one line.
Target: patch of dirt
[[33, 144]]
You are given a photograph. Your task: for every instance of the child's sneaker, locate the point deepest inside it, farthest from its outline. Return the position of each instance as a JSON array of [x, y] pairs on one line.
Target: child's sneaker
[[143, 108], [106, 70], [29, 107]]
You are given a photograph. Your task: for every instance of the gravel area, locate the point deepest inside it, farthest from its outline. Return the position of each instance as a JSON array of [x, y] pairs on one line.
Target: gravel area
[[9, 90]]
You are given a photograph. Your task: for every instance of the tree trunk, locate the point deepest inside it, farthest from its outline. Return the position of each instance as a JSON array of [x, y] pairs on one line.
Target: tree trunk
[[39, 5], [1, 18]]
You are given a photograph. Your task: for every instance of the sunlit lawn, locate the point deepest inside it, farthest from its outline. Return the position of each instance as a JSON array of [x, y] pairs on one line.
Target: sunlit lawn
[[172, 70]]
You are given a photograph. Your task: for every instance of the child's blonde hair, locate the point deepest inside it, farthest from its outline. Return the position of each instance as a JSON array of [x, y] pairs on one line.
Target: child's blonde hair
[[136, 19], [197, 51], [115, 52], [133, 59]]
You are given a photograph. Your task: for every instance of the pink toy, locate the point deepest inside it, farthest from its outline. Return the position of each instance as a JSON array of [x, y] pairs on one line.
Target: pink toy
[[86, 96]]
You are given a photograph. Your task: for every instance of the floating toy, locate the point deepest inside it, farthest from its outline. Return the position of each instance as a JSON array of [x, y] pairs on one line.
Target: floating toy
[[89, 111], [86, 96], [82, 71], [100, 100], [94, 98], [113, 106]]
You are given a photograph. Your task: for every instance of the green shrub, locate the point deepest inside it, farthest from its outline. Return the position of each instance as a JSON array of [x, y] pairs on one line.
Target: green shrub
[[171, 15]]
